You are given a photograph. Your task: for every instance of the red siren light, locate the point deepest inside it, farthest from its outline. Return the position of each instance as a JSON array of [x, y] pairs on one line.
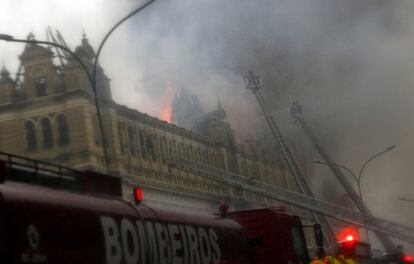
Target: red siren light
[[138, 195], [349, 238], [347, 235], [223, 208], [408, 259]]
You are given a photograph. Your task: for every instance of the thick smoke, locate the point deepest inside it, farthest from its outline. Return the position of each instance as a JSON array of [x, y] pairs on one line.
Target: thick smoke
[[349, 62]]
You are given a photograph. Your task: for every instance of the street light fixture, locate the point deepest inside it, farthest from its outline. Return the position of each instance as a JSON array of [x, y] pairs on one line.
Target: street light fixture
[[91, 76], [357, 178]]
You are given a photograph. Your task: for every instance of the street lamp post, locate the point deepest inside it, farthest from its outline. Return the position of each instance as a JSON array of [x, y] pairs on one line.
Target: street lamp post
[[357, 178], [95, 65], [91, 76]]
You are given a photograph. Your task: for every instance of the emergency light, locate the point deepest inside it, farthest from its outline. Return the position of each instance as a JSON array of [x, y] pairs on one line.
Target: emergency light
[[408, 259], [347, 235], [349, 238], [137, 193]]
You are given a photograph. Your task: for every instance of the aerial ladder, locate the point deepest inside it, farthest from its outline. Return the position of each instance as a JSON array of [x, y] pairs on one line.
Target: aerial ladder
[[316, 206], [406, 199], [252, 83], [296, 111], [319, 208]]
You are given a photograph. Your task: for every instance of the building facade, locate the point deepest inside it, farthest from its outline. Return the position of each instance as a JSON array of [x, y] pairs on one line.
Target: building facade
[[50, 115]]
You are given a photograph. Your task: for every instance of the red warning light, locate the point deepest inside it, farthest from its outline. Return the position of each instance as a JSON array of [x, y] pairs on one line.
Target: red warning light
[[349, 238], [408, 259], [138, 195], [223, 208], [347, 235]]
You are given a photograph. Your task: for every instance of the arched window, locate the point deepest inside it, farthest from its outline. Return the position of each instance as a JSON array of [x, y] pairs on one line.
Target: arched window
[[170, 149], [132, 138], [164, 150], [121, 136], [181, 152], [199, 156], [187, 153], [30, 136], [41, 86], [151, 143], [47, 134], [190, 155], [205, 157], [63, 130], [142, 142], [40, 81], [96, 130]]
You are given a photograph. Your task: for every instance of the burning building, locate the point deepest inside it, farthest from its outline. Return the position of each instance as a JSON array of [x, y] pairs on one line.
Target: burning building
[[47, 112]]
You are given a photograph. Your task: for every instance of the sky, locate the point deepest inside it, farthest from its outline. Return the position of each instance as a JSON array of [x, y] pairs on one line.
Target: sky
[[348, 61]]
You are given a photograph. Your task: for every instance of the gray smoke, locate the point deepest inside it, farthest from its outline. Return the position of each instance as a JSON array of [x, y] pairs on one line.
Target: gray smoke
[[348, 62]]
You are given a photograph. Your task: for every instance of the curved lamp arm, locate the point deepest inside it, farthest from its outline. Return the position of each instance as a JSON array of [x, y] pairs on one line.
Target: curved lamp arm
[[98, 52]]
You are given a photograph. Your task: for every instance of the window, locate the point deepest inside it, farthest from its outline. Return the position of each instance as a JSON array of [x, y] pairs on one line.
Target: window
[[96, 130], [121, 133], [210, 159], [41, 86], [205, 157], [132, 134], [199, 155], [150, 144], [164, 151], [170, 149], [181, 153], [187, 153], [142, 143], [30, 136], [47, 133], [63, 130]]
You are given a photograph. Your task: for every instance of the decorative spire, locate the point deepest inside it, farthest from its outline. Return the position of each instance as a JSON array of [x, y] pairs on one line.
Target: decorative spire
[[4, 71], [219, 106], [4, 74], [85, 49], [220, 112]]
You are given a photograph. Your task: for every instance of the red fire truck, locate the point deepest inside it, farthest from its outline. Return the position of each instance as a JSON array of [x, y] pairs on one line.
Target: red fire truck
[[52, 214]]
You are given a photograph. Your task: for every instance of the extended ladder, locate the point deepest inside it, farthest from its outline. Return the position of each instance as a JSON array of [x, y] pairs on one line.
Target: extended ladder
[[252, 82], [296, 111], [318, 207]]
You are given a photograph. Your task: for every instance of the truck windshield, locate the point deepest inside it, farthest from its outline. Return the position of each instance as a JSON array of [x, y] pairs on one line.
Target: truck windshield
[[299, 243]]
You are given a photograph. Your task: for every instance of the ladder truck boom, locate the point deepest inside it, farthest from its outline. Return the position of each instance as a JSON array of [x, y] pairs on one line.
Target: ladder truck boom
[[319, 207], [296, 111], [252, 82]]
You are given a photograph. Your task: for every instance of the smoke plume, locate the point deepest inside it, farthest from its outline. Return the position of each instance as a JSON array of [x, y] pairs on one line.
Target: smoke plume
[[348, 62]]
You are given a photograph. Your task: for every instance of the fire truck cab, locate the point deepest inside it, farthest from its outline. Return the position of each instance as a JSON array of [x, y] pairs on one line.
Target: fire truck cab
[[273, 235]]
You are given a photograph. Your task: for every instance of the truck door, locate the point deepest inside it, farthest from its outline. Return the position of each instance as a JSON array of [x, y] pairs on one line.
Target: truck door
[[4, 241], [299, 244]]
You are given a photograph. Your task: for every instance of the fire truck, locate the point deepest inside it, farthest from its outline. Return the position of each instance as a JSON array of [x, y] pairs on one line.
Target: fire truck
[[53, 214]]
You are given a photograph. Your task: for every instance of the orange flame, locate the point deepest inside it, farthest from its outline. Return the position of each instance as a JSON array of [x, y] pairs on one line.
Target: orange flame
[[165, 113]]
